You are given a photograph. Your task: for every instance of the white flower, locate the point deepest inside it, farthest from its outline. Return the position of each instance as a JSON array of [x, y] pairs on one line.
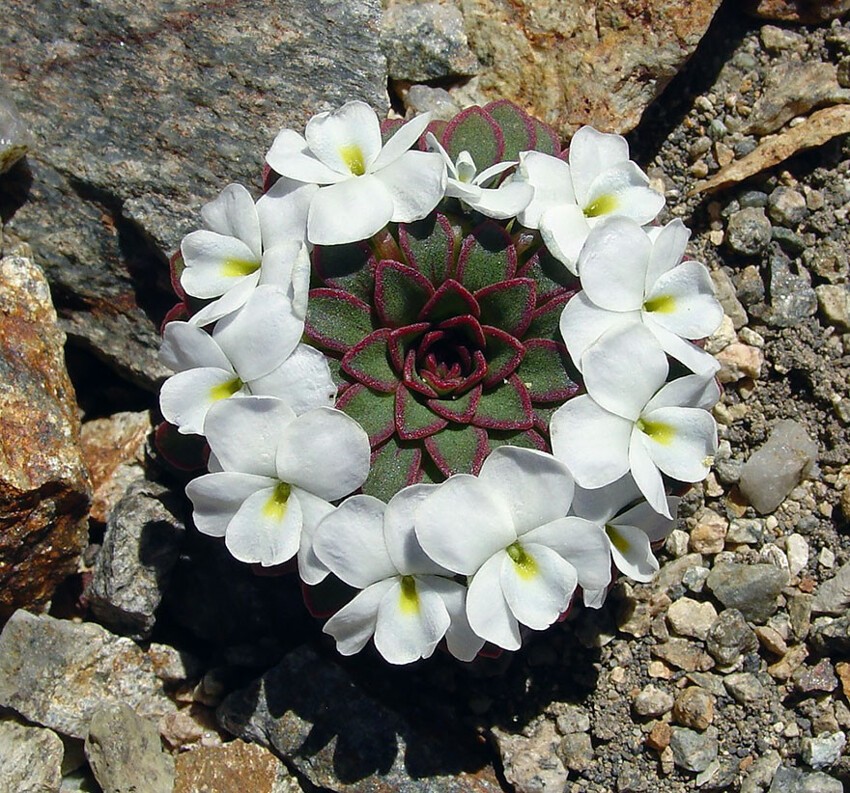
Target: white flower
[[569, 199], [276, 476], [630, 420], [507, 529], [631, 526], [245, 347], [466, 184], [365, 185], [247, 244], [629, 277], [408, 602]]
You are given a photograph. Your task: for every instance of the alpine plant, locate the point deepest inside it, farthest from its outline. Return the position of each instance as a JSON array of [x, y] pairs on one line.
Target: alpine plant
[[448, 371]]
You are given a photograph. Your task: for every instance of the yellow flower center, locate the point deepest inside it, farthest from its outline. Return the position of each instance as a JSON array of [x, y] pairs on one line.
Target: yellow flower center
[[352, 156], [663, 304], [525, 565], [275, 508], [603, 205], [236, 268], [409, 600], [617, 539], [225, 390], [657, 430]]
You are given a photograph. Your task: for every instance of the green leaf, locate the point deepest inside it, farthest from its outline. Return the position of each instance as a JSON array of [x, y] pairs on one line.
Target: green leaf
[[546, 320], [506, 407], [474, 131], [414, 420], [459, 410], [487, 256], [551, 277], [368, 362], [372, 409], [336, 320], [394, 466], [350, 268], [524, 439], [544, 372], [547, 140], [429, 246], [508, 305], [518, 128], [450, 300], [503, 355], [458, 449], [400, 293]]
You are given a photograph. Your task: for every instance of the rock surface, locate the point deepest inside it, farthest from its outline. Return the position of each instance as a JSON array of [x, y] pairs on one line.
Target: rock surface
[[57, 673], [44, 487], [30, 758]]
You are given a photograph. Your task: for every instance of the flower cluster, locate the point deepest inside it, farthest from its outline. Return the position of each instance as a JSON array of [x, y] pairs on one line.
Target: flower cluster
[[433, 362]]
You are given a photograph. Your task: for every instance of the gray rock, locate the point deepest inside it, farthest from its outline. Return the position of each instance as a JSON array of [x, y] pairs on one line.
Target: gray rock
[[831, 637], [125, 752], [30, 758], [140, 548], [773, 471], [752, 589], [313, 715], [823, 751], [426, 41], [795, 780], [744, 687], [834, 304], [761, 772], [744, 531], [437, 101], [577, 751], [786, 206], [833, 596], [718, 776], [109, 194], [14, 136], [792, 298], [724, 290], [748, 231], [570, 717], [532, 761], [730, 637], [58, 673], [692, 750], [653, 702]]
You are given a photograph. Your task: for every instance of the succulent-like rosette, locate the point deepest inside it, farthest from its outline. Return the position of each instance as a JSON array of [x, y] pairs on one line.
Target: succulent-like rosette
[[447, 344]]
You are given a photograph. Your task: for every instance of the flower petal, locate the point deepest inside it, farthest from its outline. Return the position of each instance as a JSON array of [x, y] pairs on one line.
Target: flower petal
[[504, 202], [417, 183], [488, 612], [564, 229], [353, 625], [313, 511], [233, 214], [552, 183], [651, 523], [685, 352], [348, 139], [232, 300], [325, 452], [350, 542], [536, 487], [537, 590], [462, 642], [291, 157], [464, 522], [186, 397], [303, 381], [682, 301], [214, 263], [411, 621], [631, 552], [668, 248], [266, 529], [646, 474], [583, 322], [681, 441], [601, 504], [260, 336], [613, 264], [331, 221], [217, 497], [283, 211], [582, 543], [243, 433], [400, 537], [623, 369], [576, 428], [403, 138], [185, 346], [592, 152], [693, 391], [623, 190]]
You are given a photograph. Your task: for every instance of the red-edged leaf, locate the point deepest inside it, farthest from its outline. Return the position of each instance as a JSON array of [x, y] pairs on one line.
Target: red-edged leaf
[[474, 131], [542, 417], [336, 320], [176, 266], [368, 362], [518, 128], [412, 379], [551, 277], [507, 407], [429, 246], [445, 386], [389, 127], [350, 268], [486, 257], [450, 300], [508, 305], [186, 453], [458, 449], [400, 339], [545, 371], [177, 313], [414, 420], [525, 439], [461, 409], [503, 354], [394, 466], [327, 598], [547, 141], [372, 409], [400, 293], [545, 322]]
